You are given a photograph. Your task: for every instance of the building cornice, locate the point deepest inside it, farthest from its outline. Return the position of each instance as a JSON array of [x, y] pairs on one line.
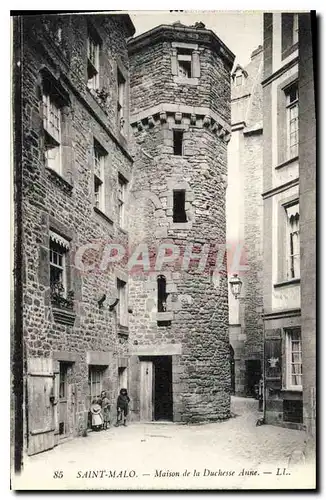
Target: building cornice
[[281, 188], [184, 115], [285, 313], [182, 34], [280, 71]]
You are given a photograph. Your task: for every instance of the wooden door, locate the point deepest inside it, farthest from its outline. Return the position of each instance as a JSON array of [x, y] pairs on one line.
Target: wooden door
[[40, 394], [146, 391], [63, 400]]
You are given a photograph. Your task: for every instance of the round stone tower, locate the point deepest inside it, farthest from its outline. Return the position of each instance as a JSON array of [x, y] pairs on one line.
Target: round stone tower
[[178, 290]]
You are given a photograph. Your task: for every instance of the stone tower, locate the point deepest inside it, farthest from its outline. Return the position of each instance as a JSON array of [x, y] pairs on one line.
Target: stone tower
[[178, 326]]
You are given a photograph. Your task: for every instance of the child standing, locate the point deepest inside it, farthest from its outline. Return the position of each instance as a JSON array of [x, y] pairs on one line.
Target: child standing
[[96, 411], [123, 406], [105, 410]]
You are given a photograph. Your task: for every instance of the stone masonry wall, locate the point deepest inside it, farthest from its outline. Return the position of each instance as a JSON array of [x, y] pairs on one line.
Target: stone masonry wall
[[66, 203], [201, 390]]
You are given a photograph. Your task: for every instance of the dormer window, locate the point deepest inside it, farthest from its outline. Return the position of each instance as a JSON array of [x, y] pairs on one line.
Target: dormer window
[[185, 63], [238, 80]]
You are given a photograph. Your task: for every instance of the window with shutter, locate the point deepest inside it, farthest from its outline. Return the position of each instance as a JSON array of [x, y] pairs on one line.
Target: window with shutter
[[52, 130]]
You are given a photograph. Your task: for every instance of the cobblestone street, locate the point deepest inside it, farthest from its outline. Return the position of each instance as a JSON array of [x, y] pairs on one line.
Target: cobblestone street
[[145, 452]]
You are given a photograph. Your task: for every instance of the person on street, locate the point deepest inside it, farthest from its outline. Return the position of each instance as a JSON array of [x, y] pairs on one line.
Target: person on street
[[123, 406], [105, 410], [96, 411]]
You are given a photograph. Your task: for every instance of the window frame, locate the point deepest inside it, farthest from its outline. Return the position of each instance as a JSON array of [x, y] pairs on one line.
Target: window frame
[[92, 370], [99, 160], [52, 134], [93, 82], [57, 242], [122, 310], [290, 106], [121, 101], [291, 255], [122, 196], [289, 332], [184, 56], [176, 133]]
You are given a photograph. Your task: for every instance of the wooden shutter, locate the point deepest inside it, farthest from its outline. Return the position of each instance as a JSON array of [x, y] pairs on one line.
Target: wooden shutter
[[56, 383], [273, 362], [195, 64], [146, 391], [40, 389]]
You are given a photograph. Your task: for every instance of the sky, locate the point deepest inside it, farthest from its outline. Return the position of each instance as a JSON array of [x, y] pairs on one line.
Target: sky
[[241, 31]]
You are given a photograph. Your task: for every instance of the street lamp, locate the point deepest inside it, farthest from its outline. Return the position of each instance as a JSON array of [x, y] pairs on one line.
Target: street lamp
[[236, 285]]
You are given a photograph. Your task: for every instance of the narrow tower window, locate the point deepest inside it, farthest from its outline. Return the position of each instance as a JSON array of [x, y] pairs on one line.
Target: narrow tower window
[[161, 294], [179, 206], [178, 142]]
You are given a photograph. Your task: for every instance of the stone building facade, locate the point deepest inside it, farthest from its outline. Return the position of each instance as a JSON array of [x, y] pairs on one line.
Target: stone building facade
[[289, 221], [180, 117], [75, 92], [244, 208], [96, 182]]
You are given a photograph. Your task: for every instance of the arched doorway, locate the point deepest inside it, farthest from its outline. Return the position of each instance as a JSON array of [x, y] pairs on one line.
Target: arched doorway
[[232, 368]]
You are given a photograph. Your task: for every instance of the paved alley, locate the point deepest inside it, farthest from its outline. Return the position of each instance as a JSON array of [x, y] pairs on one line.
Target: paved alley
[[168, 456]]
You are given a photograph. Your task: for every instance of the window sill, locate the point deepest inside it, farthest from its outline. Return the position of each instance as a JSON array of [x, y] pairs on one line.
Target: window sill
[[281, 284], [103, 215], [63, 316], [123, 330], [164, 316], [180, 225], [287, 162], [59, 180], [185, 81], [292, 390]]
